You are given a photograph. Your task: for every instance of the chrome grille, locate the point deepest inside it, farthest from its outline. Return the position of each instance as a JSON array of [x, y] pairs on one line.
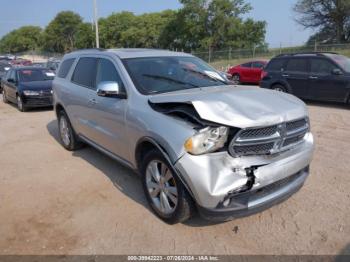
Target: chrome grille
[[269, 140], [259, 132], [253, 149], [296, 124]]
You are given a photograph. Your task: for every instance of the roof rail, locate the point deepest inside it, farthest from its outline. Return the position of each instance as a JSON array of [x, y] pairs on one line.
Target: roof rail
[[306, 53], [88, 49]]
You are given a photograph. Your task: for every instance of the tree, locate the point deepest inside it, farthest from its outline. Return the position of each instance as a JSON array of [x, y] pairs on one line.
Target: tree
[[112, 27], [60, 35], [215, 24], [23, 39], [146, 30], [331, 18], [85, 36]]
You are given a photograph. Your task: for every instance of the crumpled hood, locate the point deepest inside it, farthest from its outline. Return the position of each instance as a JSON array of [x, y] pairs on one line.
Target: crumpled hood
[[238, 106], [36, 85]]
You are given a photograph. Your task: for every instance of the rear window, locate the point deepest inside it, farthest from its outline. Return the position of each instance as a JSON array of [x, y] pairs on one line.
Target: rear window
[[342, 61], [65, 67], [248, 65], [276, 64], [297, 65], [85, 72], [258, 64]]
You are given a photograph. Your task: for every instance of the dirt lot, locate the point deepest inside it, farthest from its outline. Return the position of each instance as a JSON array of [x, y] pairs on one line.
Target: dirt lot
[[57, 202]]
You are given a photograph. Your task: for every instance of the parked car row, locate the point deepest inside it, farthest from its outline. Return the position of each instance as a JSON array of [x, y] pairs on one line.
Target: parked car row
[[312, 76], [315, 76]]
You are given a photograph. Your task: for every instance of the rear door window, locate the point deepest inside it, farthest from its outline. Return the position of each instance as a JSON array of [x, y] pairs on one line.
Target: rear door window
[[321, 66], [85, 72], [297, 65], [65, 67], [276, 65]]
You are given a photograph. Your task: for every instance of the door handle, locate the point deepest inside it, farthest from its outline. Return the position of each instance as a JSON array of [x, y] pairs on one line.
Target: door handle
[[285, 75], [313, 77]]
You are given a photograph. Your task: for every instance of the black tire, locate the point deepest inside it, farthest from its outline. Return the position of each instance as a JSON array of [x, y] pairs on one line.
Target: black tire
[[236, 78], [73, 143], [279, 88], [20, 106], [4, 98], [185, 206]]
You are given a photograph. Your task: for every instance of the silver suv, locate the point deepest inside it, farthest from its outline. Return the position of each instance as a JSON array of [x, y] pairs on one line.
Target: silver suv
[[198, 142]]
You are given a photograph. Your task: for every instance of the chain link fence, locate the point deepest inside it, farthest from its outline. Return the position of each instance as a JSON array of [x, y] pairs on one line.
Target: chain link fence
[[221, 59]]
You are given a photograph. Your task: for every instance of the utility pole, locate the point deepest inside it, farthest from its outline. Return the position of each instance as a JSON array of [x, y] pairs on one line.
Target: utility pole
[[96, 25]]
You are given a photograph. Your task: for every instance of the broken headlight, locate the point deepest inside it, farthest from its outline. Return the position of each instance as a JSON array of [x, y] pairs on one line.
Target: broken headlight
[[207, 140]]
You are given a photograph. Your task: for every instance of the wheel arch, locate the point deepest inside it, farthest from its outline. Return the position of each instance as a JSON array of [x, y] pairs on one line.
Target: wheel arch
[[59, 107], [282, 83], [144, 145], [147, 143]]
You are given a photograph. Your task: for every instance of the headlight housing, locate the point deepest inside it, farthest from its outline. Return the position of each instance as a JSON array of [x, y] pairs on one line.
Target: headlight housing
[[31, 93], [207, 140]]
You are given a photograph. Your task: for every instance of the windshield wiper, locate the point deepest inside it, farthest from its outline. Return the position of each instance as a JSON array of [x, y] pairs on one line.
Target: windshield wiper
[[205, 75], [169, 79]]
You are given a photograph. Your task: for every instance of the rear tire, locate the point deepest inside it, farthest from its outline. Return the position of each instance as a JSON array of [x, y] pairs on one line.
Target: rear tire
[[164, 191], [68, 137], [279, 88]]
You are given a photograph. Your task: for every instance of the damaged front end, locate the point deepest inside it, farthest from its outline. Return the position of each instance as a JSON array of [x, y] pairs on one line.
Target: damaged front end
[[233, 171], [225, 187]]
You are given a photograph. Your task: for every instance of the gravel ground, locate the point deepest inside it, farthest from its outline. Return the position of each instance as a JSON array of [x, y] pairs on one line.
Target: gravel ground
[[57, 202]]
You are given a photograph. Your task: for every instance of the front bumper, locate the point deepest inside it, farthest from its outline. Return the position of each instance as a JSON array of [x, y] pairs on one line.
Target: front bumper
[[37, 101], [214, 178]]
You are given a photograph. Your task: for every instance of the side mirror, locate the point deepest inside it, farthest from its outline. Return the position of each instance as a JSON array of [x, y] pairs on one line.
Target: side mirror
[[337, 72], [110, 89], [11, 80]]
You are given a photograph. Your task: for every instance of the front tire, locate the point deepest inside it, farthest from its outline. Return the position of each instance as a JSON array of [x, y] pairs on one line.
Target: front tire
[[68, 138], [164, 191], [21, 107], [4, 97]]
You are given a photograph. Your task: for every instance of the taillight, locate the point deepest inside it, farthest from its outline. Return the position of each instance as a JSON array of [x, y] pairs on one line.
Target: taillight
[[263, 74]]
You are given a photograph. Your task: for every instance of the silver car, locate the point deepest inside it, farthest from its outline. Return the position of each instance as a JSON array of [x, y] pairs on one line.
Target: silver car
[[198, 143]]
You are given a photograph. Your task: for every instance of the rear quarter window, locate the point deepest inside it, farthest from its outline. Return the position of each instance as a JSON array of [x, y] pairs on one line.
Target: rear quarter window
[[65, 67]]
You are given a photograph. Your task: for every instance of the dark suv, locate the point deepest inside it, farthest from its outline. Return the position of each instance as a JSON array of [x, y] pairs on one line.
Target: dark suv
[[314, 76]]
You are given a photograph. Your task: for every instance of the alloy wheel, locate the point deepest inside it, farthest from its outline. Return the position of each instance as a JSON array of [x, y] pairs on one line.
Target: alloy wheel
[[161, 187], [279, 89], [64, 131], [236, 79]]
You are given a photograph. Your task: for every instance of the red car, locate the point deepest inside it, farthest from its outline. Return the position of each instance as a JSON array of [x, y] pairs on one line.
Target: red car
[[249, 72], [21, 62]]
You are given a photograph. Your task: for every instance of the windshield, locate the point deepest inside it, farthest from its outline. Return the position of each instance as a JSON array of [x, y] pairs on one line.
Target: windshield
[[342, 61], [32, 75], [167, 74]]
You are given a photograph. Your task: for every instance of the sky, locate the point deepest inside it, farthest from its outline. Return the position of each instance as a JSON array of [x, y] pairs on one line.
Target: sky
[[281, 28]]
